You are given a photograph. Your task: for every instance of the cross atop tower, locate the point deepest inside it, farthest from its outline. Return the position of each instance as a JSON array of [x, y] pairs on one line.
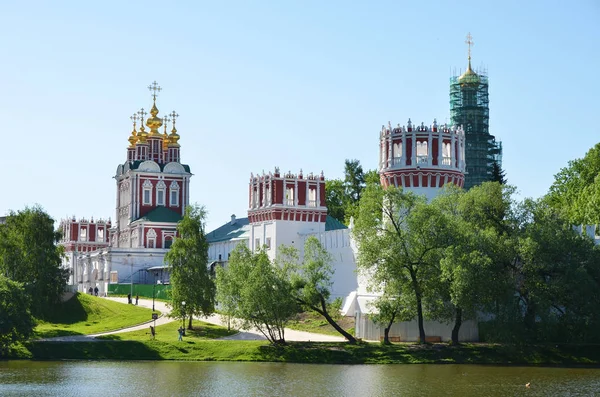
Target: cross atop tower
[[154, 87], [470, 43]]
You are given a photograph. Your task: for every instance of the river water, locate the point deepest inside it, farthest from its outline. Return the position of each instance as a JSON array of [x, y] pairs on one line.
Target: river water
[[163, 378]]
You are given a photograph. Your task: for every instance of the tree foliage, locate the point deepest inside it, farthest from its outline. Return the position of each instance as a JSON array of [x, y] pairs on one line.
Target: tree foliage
[[257, 293], [16, 321], [311, 279], [191, 281], [576, 189], [29, 255]]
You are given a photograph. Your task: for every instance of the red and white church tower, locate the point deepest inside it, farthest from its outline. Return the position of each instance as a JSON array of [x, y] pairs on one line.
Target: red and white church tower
[[152, 192], [422, 158]]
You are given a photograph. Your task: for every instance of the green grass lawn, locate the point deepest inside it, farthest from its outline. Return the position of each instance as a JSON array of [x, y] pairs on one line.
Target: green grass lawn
[[314, 352], [314, 322], [85, 314], [168, 333]]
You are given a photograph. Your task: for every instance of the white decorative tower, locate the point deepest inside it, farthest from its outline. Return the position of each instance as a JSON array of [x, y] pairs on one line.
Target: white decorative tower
[[421, 158]]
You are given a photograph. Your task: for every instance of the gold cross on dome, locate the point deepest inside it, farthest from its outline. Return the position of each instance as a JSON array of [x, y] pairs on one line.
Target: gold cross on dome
[[155, 88], [134, 118], [469, 42], [174, 116], [142, 113]]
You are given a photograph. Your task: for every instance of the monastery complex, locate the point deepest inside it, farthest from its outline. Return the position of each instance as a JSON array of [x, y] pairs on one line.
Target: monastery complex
[[284, 208]]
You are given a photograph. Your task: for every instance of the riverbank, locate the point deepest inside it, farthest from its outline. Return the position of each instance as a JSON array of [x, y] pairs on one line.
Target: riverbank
[[312, 352]]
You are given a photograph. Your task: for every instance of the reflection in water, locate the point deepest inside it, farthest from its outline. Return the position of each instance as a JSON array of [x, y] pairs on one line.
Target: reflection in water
[[109, 378]]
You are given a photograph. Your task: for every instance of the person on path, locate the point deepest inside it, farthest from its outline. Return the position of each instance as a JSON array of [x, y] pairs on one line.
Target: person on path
[[96, 291], [180, 330], [137, 297], [129, 298]]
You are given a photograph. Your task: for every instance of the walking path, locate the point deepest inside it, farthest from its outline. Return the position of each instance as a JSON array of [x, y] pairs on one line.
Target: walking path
[[244, 334]]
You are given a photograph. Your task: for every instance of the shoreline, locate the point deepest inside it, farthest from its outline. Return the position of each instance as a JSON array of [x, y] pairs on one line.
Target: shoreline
[[567, 356]]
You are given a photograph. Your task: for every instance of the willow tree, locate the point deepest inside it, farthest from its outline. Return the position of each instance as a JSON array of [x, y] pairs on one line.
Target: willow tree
[[190, 278]]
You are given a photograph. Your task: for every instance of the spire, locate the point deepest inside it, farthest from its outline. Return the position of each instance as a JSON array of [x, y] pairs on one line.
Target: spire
[[469, 76], [174, 137], [142, 135], [133, 138], [165, 135], [154, 123]]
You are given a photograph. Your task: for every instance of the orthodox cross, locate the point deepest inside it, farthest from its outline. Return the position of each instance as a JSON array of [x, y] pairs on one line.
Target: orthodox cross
[[155, 88], [134, 118], [173, 117], [469, 42], [142, 113], [166, 119]]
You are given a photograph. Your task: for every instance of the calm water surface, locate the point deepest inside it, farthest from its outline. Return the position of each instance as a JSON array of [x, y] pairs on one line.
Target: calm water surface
[[121, 378]]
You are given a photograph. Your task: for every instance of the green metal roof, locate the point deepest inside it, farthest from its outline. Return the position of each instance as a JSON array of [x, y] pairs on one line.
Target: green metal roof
[[333, 224], [237, 230], [228, 231], [161, 214]]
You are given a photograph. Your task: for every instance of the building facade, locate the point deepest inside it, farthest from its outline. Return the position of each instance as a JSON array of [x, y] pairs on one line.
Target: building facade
[[152, 192]]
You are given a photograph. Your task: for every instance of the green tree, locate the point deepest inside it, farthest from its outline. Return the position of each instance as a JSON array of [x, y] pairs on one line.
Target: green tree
[[29, 255], [476, 252], [576, 189], [16, 321], [257, 293], [498, 174], [191, 281], [311, 280], [391, 307], [335, 199], [399, 238]]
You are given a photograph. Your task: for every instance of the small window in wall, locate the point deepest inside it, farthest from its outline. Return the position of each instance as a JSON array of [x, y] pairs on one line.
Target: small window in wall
[[168, 242], [83, 234], [289, 195], [114, 276], [100, 235], [160, 193], [312, 197], [174, 194], [151, 239], [147, 189], [257, 243], [219, 257], [268, 244]]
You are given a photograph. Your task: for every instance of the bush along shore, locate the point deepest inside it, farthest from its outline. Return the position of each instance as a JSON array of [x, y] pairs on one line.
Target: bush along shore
[[311, 352]]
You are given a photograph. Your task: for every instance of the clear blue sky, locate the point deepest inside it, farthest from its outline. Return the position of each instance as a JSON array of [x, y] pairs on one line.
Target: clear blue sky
[[301, 84]]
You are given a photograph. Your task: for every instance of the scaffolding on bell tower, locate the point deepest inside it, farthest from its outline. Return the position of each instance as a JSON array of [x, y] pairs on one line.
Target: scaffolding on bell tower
[[469, 108]]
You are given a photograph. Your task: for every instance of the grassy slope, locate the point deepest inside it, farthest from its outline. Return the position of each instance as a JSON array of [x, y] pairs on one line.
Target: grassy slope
[[312, 352], [85, 314], [168, 333], [314, 322]]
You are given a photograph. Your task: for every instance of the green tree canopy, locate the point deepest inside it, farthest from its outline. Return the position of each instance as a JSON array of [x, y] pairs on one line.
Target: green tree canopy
[[29, 255], [191, 281], [16, 321], [257, 293]]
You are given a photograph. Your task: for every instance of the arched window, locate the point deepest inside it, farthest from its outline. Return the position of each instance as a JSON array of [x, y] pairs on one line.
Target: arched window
[[151, 239], [422, 151], [161, 189], [174, 194], [147, 192], [168, 241]]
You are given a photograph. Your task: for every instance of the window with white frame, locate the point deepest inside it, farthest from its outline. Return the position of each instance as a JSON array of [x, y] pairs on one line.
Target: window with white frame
[[174, 194], [161, 189], [83, 234], [100, 235], [257, 243], [312, 196], [147, 192], [268, 244], [151, 238], [289, 195]]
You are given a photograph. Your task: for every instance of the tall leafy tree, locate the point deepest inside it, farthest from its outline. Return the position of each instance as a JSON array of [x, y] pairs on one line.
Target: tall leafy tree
[[29, 255], [191, 281], [354, 183], [257, 293], [399, 238], [576, 189], [335, 199], [311, 280], [16, 321]]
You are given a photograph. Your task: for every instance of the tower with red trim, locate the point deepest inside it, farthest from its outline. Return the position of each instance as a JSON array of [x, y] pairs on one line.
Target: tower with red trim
[[422, 158], [282, 206]]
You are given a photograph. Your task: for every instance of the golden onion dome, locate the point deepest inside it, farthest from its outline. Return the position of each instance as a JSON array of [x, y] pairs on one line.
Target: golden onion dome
[[154, 123], [174, 138], [469, 76], [132, 139]]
